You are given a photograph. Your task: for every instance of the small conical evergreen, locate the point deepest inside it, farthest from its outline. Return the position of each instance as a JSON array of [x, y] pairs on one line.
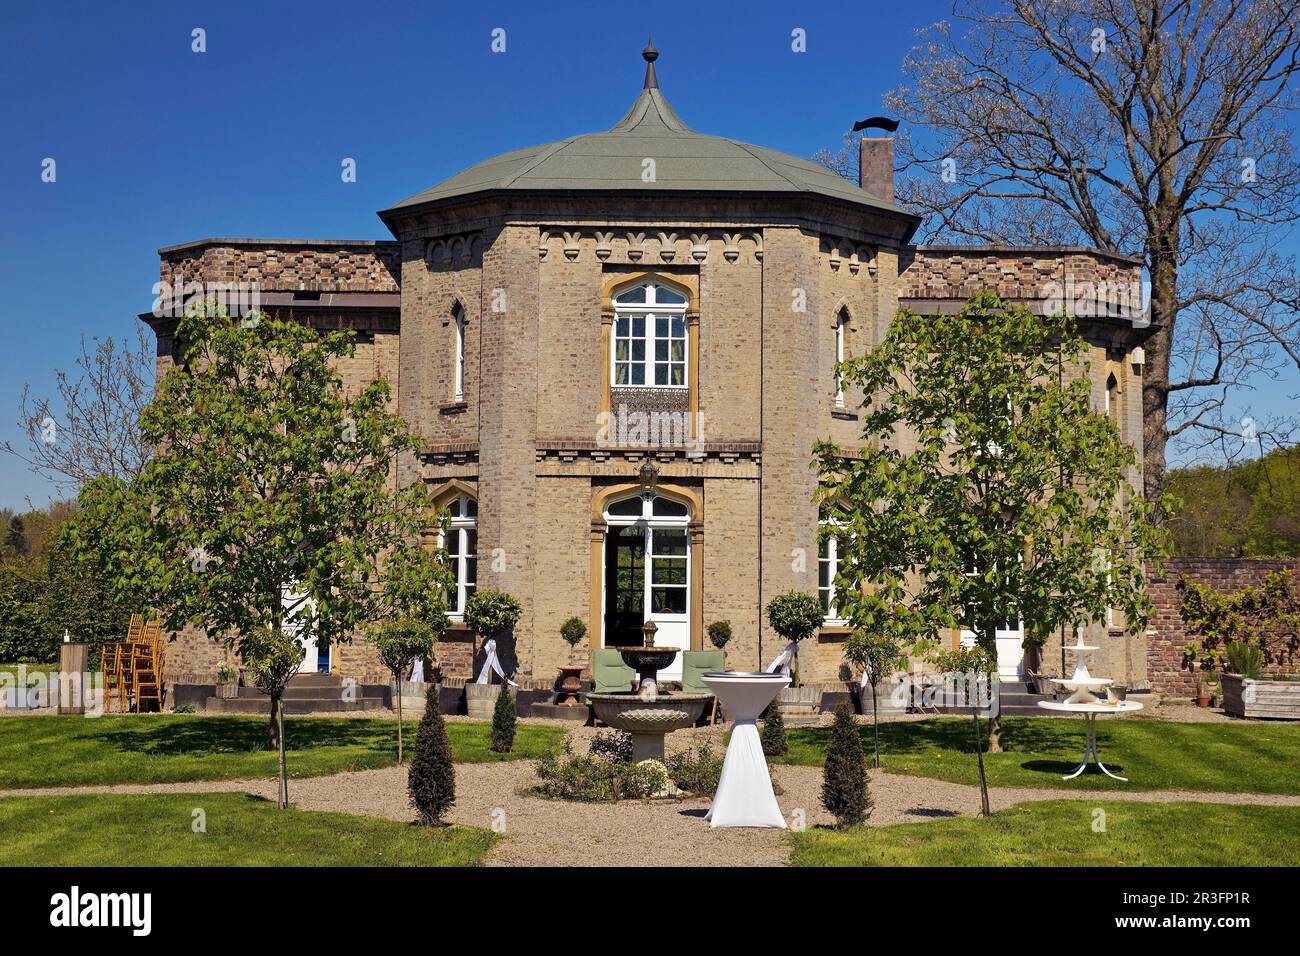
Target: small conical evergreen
[[844, 779], [432, 779], [504, 716], [773, 736]]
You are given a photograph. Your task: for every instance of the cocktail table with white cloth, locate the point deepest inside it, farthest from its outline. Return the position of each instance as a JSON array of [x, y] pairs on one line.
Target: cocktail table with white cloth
[[745, 797]]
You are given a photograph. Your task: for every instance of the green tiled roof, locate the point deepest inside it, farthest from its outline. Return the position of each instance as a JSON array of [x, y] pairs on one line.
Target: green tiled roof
[[684, 160]]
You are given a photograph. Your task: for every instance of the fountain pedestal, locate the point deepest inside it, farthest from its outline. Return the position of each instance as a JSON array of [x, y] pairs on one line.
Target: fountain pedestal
[[648, 715]]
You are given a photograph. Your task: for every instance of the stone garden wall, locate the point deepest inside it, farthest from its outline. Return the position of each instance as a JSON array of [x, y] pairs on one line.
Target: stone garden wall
[[1167, 635]]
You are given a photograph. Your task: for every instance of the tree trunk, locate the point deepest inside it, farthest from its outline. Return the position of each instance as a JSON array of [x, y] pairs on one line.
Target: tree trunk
[[397, 686], [274, 728], [979, 754], [875, 720], [284, 771], [1162, 252], [995, 733]]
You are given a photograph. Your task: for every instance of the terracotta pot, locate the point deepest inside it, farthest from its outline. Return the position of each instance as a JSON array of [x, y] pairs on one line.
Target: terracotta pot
[[1203, 700], [570, 683]]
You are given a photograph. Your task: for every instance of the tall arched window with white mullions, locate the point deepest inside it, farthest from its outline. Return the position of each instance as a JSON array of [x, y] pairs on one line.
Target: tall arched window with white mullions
[[828, 566], [650, 339], [460, 540], [841, 336], [458, 353]]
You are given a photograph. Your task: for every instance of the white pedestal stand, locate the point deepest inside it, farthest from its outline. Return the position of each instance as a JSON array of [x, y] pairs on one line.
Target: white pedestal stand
[[745, 797]]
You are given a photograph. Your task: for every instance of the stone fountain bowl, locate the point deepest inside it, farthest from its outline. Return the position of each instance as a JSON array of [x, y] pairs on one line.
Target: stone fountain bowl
[[663, 715], [644, 660]]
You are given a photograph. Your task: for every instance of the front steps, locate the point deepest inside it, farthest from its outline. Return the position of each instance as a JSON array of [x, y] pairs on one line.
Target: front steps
[[307, 694], [1015, 699]]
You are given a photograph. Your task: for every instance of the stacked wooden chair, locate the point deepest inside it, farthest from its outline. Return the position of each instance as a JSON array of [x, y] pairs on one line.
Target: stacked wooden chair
[[146, 666], [113, 663], [133, 668]]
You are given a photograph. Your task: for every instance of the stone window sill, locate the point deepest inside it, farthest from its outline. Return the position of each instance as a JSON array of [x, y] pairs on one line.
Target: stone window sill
[[834, 632], [453, 408], [844, 414]]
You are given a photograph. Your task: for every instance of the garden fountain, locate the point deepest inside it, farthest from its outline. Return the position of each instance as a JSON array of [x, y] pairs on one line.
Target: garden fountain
[[648, 714]]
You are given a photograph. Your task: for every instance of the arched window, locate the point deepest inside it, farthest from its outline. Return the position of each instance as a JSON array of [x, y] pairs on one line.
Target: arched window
[[458, 353], [841, 335], [1110, 401], [460, 540], [649, 337]]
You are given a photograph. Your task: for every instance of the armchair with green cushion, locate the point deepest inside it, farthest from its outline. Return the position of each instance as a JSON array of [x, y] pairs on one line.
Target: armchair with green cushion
[[695, 664], [609, 675]]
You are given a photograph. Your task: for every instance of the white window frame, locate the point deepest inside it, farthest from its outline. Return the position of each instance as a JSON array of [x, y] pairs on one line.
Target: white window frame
[[458, 355], [831, 614], [841, 335], [459, 523], [650, 310]]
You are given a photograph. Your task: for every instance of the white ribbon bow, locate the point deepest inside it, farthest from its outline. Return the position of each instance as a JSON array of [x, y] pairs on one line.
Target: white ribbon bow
[[784, 659], [491, 663]]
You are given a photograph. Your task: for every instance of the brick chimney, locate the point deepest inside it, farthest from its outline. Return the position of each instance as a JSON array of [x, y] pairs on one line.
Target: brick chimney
[[876, 166]]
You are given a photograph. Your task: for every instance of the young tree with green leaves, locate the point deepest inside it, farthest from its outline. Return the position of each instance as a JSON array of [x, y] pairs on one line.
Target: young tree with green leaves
[[974, 670], [877, 655], [987, 488], [399, 642], [273, 656], [272, 502]]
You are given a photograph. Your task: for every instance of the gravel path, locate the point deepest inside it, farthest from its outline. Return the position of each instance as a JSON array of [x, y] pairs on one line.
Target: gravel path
[[660, 833]]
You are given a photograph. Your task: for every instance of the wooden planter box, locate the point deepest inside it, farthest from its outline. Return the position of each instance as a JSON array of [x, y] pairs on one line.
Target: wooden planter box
[[1246, 697], [794, 701], [227, 691], [481, 699]]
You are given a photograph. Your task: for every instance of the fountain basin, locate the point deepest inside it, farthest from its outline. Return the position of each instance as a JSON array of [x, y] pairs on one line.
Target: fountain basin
[[647, 661], [648, 721]]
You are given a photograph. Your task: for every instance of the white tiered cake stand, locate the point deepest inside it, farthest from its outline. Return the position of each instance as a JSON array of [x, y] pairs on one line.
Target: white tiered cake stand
[[1083, 702]]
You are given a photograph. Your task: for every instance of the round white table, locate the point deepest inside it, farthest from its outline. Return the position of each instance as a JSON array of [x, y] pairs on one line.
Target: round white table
[[1090, 712], [745, 797]]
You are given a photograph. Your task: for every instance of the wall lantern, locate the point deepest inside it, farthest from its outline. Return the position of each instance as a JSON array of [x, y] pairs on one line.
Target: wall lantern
[[649, 475]]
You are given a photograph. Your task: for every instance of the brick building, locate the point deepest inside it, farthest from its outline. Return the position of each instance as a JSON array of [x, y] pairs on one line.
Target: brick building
[[558, 318]]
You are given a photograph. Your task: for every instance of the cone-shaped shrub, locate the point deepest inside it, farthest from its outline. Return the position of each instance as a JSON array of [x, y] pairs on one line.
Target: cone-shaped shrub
[[773, 735], [432, 780], [844, 779], [503, 721]]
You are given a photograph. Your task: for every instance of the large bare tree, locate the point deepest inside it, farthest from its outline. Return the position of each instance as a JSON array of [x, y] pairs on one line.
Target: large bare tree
[[91, 430], [1159, 128]]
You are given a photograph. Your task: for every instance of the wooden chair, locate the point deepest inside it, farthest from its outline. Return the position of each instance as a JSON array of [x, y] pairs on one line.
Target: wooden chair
[[114, 664], [146, 666]]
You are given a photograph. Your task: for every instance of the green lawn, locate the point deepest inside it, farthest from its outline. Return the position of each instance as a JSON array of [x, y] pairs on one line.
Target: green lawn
[[158, 830], [1153, 754], [53, 751], [1062, 833]]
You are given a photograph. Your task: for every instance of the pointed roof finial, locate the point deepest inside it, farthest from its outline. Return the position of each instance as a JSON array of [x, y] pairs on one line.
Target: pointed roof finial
[[650, 54]]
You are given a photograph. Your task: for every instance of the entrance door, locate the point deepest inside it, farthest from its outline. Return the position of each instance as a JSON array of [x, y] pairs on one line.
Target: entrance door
[[298, 611], [1009, 639], [647, 576]]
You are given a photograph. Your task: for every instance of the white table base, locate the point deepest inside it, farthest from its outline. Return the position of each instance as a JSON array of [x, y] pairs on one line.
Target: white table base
[[1090, 750], [744, 797]]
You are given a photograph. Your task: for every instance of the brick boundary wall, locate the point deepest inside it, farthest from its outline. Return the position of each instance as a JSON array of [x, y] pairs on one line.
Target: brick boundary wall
[[1167, 635]]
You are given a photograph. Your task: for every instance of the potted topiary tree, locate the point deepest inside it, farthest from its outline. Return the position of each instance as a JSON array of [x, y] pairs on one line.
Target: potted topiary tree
[[573, 631], [491, 615], [719, 634], [795, 616]]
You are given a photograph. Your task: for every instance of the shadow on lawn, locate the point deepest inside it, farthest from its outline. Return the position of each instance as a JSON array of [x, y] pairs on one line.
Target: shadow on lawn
[[1036, 735], [192, 736]]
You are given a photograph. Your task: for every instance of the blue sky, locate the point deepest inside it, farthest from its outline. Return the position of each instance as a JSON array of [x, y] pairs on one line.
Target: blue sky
[[156, 144]]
